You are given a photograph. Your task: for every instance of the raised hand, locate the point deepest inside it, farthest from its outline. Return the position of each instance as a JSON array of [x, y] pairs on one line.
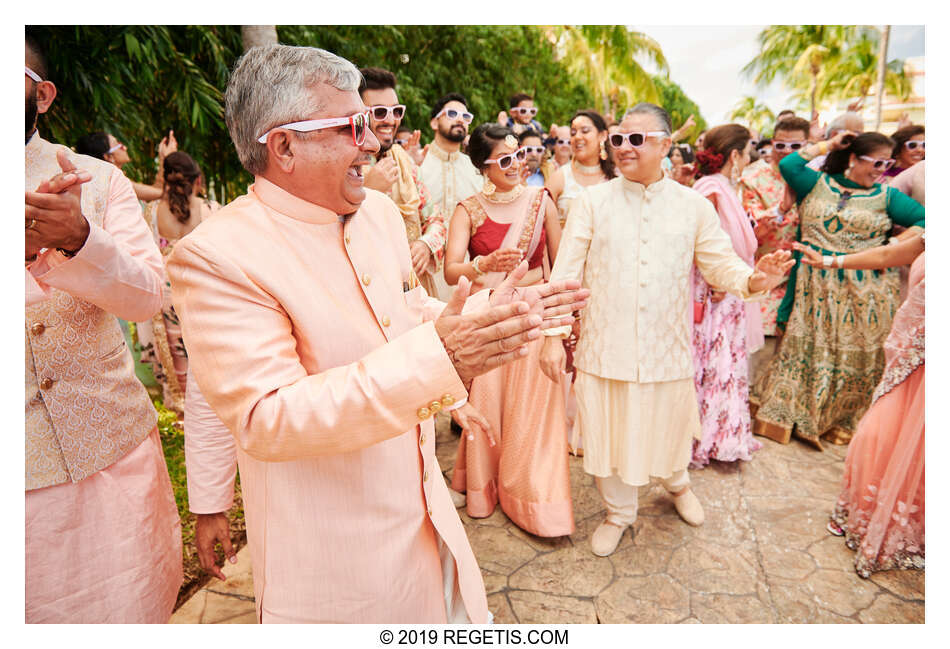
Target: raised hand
[[168, 145], [502, 260], [382, 175], [555, 301], [770, 271], [810, 256]]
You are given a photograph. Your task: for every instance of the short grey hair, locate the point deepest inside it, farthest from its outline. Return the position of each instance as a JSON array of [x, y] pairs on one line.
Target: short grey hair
[[840, 123], [272, 85], [645, 107]]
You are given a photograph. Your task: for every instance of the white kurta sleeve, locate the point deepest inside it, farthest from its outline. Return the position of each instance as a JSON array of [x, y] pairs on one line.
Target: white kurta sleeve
[[572, 253], [715, 258]]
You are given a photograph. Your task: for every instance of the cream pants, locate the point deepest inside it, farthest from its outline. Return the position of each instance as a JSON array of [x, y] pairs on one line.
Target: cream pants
[[621, 498]]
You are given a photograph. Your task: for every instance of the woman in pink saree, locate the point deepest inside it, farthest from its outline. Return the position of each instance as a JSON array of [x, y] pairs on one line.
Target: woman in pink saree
[[726, 329], [881, 507], [520, 458]]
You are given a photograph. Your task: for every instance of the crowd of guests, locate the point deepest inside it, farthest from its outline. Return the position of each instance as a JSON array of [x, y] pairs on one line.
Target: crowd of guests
[[531, 282]]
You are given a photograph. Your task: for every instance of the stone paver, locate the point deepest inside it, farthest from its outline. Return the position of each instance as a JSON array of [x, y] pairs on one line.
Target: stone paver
[[762, 556]]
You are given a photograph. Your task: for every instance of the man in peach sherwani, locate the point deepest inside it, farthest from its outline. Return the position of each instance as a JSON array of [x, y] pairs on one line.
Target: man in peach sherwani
[[312, 342], [103, 536]]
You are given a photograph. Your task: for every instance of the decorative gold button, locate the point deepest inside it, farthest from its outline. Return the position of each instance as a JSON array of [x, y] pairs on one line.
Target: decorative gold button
[[429, 512], [448, 400], [346, 238], [385, 320], [37, 328], [425, 476], [46, 383], [422, 439], [366, 280], [423, 413], [435, 406]]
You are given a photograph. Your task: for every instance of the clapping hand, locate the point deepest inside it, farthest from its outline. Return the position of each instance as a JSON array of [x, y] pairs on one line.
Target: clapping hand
[[53, 212], [554, 301]]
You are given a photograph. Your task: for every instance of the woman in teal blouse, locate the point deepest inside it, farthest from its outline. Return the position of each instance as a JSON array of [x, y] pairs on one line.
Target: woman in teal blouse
[[831, 356]]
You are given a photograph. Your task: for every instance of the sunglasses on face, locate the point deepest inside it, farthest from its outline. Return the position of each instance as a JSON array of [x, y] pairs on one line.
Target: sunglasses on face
[[118, 146], [505, 161], [380, 113], [358, 124], [563, 142], [755, 143], [402, 142], [33, 75], [881, 165], [451, 113], [537, 150], [791, 146], [911, 145], [525, 111], [636, 138]]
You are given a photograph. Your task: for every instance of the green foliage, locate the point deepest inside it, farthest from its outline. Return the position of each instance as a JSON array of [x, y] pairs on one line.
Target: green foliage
[[138, 81], [487, 64], [680, 107], [757, 116]]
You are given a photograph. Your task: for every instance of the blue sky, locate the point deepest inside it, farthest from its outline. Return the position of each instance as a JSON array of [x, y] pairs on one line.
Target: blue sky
[[706, 62]]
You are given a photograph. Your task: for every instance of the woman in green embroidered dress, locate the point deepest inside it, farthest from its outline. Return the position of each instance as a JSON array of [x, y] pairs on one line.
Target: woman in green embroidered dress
[[831, 357]]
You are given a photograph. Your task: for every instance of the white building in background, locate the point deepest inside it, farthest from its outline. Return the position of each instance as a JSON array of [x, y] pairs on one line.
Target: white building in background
[[891, 108]]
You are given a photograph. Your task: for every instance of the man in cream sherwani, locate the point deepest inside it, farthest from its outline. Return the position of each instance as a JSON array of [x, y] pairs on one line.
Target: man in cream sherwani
[[308, 335], [633, 241]]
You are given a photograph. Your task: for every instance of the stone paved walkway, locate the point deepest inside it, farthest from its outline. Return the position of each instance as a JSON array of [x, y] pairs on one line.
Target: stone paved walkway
[[763, 555]]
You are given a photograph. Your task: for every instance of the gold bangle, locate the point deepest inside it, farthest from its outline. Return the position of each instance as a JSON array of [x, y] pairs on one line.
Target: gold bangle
[[478, 271], [823, 147]]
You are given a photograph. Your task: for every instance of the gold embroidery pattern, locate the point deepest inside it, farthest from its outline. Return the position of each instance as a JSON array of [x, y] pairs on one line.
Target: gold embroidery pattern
[[85, 408]]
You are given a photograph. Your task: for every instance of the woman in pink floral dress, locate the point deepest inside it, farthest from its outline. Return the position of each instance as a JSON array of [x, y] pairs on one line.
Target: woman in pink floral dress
[[726, 329]]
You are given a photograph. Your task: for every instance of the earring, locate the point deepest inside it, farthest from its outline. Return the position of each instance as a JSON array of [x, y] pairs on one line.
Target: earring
[[603, 151], [489, 188], [734, 175]]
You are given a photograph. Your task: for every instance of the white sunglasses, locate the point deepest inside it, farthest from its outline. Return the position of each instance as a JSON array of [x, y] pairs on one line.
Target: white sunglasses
[[358, 124], [451, 113], [33, 75], [525, 111]]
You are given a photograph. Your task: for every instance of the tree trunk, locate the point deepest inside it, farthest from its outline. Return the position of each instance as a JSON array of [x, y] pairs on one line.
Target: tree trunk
[[881, 74], [253, 35]]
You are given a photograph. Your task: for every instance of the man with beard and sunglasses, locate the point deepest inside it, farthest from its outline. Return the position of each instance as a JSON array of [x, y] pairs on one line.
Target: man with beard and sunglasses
[[393, 172], [311, 339], [768, 200], [634, 240], [103, 536]]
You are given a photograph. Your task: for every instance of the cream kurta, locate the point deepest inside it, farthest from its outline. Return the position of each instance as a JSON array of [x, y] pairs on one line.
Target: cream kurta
[[450, 178], [633, 247], [305, 341]]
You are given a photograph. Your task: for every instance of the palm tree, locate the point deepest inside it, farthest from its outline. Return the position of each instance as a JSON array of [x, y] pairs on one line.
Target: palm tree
[[859, 69], [604, 57], [801, 54], [882, 74], [758, 116]]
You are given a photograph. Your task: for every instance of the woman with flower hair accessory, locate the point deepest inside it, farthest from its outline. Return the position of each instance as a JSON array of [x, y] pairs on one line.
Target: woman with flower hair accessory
[[820, 381], [726, 329]]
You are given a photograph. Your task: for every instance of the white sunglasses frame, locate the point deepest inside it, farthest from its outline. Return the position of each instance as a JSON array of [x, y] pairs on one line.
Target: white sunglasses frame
[[309, 125], [787, 146], [525, 111], [626, 137], [390, 111], [918, 144], [513, 155], [33, 75], [888, 162], [445, 111]]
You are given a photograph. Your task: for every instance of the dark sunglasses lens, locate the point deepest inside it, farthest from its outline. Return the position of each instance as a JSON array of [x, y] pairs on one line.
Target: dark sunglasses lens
[[359, 128], [520, 154], [795, 146], [452, 114], [398, 112], [636, 139], [380, 112], [616, 140], [505, 161]]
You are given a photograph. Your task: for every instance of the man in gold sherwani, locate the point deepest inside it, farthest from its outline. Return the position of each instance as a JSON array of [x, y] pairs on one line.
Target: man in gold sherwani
[[633, 241], [310, 338]]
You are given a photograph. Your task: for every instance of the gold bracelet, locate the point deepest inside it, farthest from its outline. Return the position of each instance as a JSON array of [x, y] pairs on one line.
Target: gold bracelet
[[823, 147]]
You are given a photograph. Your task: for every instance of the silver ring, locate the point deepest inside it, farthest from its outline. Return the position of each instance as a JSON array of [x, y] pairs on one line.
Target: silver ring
[[32, 223]]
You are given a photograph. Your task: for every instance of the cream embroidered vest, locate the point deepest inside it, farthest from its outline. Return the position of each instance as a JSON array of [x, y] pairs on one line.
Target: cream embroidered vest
[[85, 408]]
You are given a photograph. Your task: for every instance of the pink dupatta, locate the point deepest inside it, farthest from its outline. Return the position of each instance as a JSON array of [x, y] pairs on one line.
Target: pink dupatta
[[735, 222]]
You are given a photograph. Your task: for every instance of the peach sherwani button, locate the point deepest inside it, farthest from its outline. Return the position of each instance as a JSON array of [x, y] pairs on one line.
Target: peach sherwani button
[[385, 320], [38, 328], [366, 280]]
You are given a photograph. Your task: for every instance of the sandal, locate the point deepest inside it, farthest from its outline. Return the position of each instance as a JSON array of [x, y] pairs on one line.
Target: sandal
[[833, 528]]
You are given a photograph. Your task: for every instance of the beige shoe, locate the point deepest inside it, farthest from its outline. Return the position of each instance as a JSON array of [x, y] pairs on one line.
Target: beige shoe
[[458, 499], [606, 537], [688, 507]]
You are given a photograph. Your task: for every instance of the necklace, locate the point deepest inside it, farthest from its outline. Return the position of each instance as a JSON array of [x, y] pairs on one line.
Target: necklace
[[587, 170], [505, 197]]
